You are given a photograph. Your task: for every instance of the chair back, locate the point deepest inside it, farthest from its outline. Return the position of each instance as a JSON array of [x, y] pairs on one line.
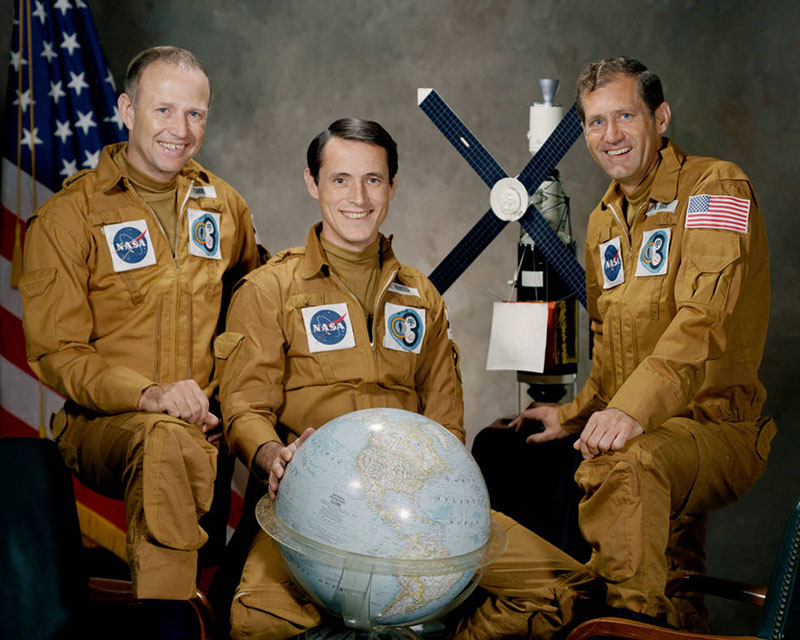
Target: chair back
[[780, 619], [42, 582]]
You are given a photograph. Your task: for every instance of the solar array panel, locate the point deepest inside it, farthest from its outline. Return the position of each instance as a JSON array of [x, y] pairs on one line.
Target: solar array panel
[[539, 168]]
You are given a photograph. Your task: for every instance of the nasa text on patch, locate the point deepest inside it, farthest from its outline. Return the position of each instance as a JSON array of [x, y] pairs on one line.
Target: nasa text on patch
[[204, 234], [654, 254], [405, 328], [130, 245], [328, 327], [611, 261]]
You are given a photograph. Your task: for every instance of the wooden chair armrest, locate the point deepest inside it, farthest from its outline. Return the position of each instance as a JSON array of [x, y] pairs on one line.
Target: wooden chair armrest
[[721, 587], [110, 590], [633, 630]]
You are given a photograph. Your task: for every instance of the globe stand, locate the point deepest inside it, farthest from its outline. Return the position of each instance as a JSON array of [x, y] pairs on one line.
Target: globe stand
[[355, 620]]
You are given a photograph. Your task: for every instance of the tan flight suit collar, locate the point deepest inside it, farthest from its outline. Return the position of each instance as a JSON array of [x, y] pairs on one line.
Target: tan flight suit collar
[[109, 174], [315, 258], [665, 185]]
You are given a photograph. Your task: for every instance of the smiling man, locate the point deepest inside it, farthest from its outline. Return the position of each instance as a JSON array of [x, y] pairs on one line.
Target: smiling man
[[127, 273], [340, 325], [677, 279]]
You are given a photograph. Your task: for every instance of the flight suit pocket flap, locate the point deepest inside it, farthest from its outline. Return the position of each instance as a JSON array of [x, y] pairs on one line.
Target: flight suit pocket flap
[[104, 217], [713, 264], [225, 344], [37, 282]]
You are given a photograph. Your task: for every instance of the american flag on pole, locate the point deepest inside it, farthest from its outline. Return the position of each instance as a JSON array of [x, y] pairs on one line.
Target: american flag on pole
[[60, 111], [718, 212]]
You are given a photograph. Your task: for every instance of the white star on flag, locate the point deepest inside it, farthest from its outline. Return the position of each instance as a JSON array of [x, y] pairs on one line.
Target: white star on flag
[[15, 60], [24, 101], [70, 42], [62, 5], [47, 51], [116, 118], [110, 80], [85, 122], [77, 83], [70, 167], [91, 159], [29, 140], [62, 131], [40, 13], [56, 92], [80, 4]]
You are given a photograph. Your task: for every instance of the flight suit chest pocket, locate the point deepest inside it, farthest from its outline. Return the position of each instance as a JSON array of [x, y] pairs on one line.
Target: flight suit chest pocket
[[124, 247]]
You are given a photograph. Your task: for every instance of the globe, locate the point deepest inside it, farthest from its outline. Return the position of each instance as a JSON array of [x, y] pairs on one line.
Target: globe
[[382, 517]]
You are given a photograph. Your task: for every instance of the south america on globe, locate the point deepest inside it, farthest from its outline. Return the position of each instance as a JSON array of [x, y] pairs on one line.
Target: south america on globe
[[382, 517]]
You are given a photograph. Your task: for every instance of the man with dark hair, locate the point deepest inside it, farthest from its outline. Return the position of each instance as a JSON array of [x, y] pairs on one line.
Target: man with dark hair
[[677, 280], [128, 270], [281, 377]]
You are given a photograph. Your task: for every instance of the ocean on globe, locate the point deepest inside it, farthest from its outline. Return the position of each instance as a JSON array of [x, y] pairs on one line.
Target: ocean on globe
[[384, 516]]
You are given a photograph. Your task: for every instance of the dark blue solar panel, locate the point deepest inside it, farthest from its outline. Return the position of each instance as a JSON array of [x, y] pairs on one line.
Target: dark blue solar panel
[[538, 169], [460, 137], [555, 252], [549, 155], [465, 252]]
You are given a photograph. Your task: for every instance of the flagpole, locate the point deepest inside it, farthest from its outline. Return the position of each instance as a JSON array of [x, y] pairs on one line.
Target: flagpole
[[16, 270]]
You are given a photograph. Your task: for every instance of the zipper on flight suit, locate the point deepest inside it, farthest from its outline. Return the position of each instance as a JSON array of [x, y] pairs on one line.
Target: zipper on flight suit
[[378, 299], [177, 267]]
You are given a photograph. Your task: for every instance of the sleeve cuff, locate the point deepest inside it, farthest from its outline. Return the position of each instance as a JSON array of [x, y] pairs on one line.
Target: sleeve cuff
[[647, 398], [246, 434]]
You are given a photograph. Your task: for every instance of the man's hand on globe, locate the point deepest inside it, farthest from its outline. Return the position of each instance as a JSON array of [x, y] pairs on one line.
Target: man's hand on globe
[[272, 459]]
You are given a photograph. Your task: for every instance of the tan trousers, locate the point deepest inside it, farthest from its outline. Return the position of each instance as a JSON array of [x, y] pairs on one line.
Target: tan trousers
[[532, 591], [164, 469], [633, 496]]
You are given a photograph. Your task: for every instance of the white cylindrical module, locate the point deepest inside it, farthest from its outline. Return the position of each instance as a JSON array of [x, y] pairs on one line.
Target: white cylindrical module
[[543, 119], [544, 116]]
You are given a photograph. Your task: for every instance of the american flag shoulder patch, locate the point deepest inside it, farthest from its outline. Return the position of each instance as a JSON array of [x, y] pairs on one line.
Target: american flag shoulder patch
[[718, 212]]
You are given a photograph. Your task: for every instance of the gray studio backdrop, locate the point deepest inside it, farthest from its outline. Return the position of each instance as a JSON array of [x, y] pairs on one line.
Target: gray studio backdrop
[[282, 70]]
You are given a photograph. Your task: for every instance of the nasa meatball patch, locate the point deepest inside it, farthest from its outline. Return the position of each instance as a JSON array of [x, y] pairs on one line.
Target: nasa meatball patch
[[611, 260], [328, 327], [130, 244]]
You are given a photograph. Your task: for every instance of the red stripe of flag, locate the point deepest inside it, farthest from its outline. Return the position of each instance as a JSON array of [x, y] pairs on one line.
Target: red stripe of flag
[[8, 222], [12, 427], [237, 504], [109, 508], [12, 341]]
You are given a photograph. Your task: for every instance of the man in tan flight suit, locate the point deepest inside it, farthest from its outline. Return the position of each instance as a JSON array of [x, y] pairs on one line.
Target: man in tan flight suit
[[127, 272], [340, 325], [677, 280]]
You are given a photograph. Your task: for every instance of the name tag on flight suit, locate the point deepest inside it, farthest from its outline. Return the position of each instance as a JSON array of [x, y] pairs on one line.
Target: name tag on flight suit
[[201, 191], [654, 254], [328, 327], [405, 328], [662, 207], [611, 259], [204, 240], [402, 289], [130, 244]]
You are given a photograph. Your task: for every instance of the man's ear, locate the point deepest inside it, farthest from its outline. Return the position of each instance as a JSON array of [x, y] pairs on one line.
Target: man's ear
[[126, 109], [663, 115], [394, 187], [311, 185]]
